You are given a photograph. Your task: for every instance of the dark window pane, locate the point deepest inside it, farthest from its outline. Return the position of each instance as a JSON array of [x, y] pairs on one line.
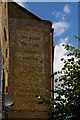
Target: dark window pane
[[5, 34], [6, 53]]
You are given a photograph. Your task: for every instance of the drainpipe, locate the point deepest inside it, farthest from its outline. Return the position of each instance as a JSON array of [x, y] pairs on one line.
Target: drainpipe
[[52, 59], [52, 66], [52, 54]]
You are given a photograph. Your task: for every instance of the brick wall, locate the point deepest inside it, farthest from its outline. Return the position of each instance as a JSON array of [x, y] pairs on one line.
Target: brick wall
[[0, 62], [29, 63]]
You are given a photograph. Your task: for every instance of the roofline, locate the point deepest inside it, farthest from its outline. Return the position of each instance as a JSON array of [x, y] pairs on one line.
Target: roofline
[[30, 13], [27, 11]]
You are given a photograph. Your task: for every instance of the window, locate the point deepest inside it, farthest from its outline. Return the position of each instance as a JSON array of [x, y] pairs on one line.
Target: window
[[5, 17], [6, 53], [5, 34]]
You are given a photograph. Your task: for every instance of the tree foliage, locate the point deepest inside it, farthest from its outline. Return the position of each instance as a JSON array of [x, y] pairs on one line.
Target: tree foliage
[[67, 102]]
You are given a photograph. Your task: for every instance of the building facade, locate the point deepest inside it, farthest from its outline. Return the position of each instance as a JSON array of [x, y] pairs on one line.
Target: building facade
[[27, 57], [0, 62]]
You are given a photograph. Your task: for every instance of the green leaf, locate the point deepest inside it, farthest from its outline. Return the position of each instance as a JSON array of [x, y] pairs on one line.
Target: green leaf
[[56, 80], [72, 59], [79, 39], [65, 61], [60, 79], [65, 65], [79, 62], [76, 37], [69, 54], [63, 68], [62, 59], [72, 63], [63, 45], [76, 70], [55, 73], [67, 47], [69, 60]]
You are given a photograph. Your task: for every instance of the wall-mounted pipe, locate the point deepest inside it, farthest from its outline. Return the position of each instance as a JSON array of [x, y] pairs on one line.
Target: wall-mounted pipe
[[52, 54], [52, 59]]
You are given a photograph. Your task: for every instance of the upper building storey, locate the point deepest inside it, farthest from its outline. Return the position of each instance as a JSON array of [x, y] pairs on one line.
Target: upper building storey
[[27, 57]]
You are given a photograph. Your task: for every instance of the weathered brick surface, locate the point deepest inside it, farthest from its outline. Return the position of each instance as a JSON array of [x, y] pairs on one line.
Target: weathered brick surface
[[0, 62], [29, 63]]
